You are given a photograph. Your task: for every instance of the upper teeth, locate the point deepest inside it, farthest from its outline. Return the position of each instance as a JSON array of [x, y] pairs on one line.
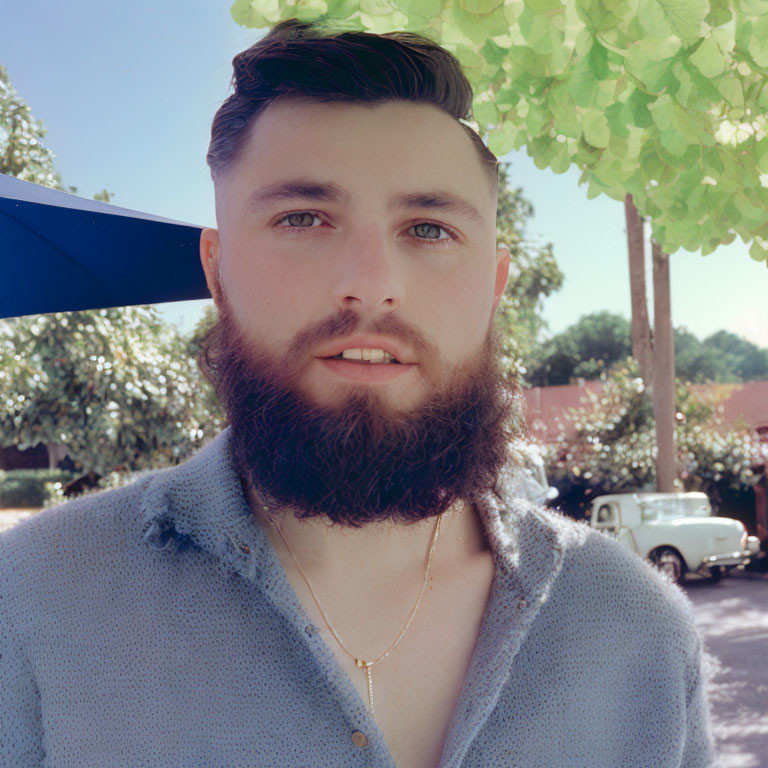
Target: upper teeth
[[373, 355]]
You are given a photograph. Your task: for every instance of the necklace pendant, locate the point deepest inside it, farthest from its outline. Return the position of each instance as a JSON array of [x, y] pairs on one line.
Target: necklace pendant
[[367, 666]]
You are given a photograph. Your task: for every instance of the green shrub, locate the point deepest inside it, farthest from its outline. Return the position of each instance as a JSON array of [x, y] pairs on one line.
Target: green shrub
[[30, 487]]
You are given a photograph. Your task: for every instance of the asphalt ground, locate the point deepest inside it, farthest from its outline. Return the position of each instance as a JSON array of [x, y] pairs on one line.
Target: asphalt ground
[[733, 619], [9, 517]]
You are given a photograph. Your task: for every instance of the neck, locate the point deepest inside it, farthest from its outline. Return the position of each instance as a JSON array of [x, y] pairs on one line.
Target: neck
[[374, 552]]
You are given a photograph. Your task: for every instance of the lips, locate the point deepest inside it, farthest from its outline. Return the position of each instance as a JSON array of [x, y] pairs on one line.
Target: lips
[[375, 356], [358, 370], [366, 342]]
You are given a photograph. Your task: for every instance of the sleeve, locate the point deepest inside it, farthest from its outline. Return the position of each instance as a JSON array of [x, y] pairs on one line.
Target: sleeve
[[20, 712], [699, 748]]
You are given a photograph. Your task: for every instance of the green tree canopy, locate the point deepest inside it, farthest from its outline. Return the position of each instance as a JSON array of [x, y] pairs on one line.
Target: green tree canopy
[[744, 360], [116, 387], [661, 99], [697, 362], [22, 152], [600, 340], [583, 350]]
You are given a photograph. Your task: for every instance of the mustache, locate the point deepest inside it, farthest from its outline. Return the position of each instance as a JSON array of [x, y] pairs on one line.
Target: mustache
[[348, 321]]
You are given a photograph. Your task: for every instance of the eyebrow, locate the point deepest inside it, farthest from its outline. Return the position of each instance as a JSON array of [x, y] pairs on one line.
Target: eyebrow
[[308, 189]]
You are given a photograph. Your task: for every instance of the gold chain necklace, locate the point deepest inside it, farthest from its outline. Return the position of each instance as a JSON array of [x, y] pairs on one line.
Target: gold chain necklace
[[361, 663]]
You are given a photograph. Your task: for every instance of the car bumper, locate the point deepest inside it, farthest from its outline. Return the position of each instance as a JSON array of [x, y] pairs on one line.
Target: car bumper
[[728, 558]]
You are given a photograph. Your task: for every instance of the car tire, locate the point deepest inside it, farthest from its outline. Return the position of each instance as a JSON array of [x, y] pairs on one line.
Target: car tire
[[668, 561], [716, 572]]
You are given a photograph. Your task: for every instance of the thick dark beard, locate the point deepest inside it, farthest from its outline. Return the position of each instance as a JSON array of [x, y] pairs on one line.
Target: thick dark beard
[[360, 462]]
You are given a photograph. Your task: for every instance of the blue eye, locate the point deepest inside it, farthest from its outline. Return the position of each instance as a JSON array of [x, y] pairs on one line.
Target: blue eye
[[427, 226], [308, 217]]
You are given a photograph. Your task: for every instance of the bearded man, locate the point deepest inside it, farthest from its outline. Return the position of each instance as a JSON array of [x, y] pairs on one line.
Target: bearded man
[[346, 576]]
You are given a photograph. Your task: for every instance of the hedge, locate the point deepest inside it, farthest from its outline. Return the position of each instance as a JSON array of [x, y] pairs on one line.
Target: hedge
[[29, 487]]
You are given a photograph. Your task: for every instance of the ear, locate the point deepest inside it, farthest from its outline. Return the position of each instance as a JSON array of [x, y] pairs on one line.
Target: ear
[[502, 275], [210, 253]]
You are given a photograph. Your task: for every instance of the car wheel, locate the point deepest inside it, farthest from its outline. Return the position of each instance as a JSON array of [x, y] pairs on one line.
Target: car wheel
[[668, 561]]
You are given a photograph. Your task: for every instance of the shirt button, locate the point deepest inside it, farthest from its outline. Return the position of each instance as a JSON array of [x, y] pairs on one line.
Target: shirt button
[[522, 603], [310, 630], [359, 739]]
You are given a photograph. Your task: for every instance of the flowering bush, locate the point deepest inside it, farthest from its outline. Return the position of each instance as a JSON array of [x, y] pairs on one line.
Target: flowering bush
[[614, 449]]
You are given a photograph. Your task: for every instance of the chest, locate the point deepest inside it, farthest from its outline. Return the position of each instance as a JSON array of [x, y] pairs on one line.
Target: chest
[[416, 687]]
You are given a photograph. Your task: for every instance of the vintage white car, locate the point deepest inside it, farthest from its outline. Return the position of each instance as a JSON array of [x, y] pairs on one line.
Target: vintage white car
[[675, 531], [531, 478]]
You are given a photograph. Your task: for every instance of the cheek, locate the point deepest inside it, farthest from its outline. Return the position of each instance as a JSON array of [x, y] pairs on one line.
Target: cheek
[[461, 309], [270, 297]]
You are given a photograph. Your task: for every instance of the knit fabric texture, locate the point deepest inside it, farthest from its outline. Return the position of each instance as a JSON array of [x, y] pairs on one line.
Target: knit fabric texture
[[154, 625]]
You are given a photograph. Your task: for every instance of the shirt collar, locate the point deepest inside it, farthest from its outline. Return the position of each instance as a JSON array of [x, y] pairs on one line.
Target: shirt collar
[[201, 504]]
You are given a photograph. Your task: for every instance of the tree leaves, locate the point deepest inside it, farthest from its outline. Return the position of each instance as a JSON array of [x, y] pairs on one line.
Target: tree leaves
[[709, 59], [505, 139], [598, 341], [117, 387], [22, 153], [683, 19], [261, 14], [758, 47], [595, 127]]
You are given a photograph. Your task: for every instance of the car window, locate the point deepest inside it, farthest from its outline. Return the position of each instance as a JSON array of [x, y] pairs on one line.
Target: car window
[[680, 506], [607, 515]]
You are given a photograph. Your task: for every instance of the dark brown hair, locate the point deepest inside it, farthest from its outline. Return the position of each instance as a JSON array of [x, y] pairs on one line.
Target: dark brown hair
[[303, 61]]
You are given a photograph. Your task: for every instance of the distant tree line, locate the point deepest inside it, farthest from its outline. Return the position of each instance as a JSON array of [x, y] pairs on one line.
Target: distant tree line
[[599, 340]]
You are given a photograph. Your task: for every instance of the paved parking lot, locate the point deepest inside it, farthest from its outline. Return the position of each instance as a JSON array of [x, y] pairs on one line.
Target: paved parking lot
[[9, 517], [733, 618]]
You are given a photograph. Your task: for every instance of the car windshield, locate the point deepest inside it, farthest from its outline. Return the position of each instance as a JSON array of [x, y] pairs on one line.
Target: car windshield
[[675, 506], [536, 471]]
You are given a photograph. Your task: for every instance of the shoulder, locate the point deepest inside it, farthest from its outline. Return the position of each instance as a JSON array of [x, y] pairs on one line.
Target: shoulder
[[71, 545], [102, 518], [53, 534], [601, 580], [87, 516], [101, 537]]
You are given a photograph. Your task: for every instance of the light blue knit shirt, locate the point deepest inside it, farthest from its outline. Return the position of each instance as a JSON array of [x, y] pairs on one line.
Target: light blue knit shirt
[[154, 626]]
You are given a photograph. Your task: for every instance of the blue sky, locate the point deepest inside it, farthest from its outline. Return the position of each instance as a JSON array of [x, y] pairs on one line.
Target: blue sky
[[128, 90]]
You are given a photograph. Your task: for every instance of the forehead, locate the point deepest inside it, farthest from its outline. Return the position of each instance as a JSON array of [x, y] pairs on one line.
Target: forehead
[[391, 147]]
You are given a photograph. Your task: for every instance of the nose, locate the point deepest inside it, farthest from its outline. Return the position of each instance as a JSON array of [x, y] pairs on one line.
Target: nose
[[370, 274]]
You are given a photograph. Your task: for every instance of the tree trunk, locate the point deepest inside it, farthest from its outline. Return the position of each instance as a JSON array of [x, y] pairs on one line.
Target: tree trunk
[[56, 452], [663, 373], [642, 340]]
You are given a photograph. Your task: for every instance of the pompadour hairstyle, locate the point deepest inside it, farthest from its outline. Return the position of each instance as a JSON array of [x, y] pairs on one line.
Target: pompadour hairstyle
[[304, 61]]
